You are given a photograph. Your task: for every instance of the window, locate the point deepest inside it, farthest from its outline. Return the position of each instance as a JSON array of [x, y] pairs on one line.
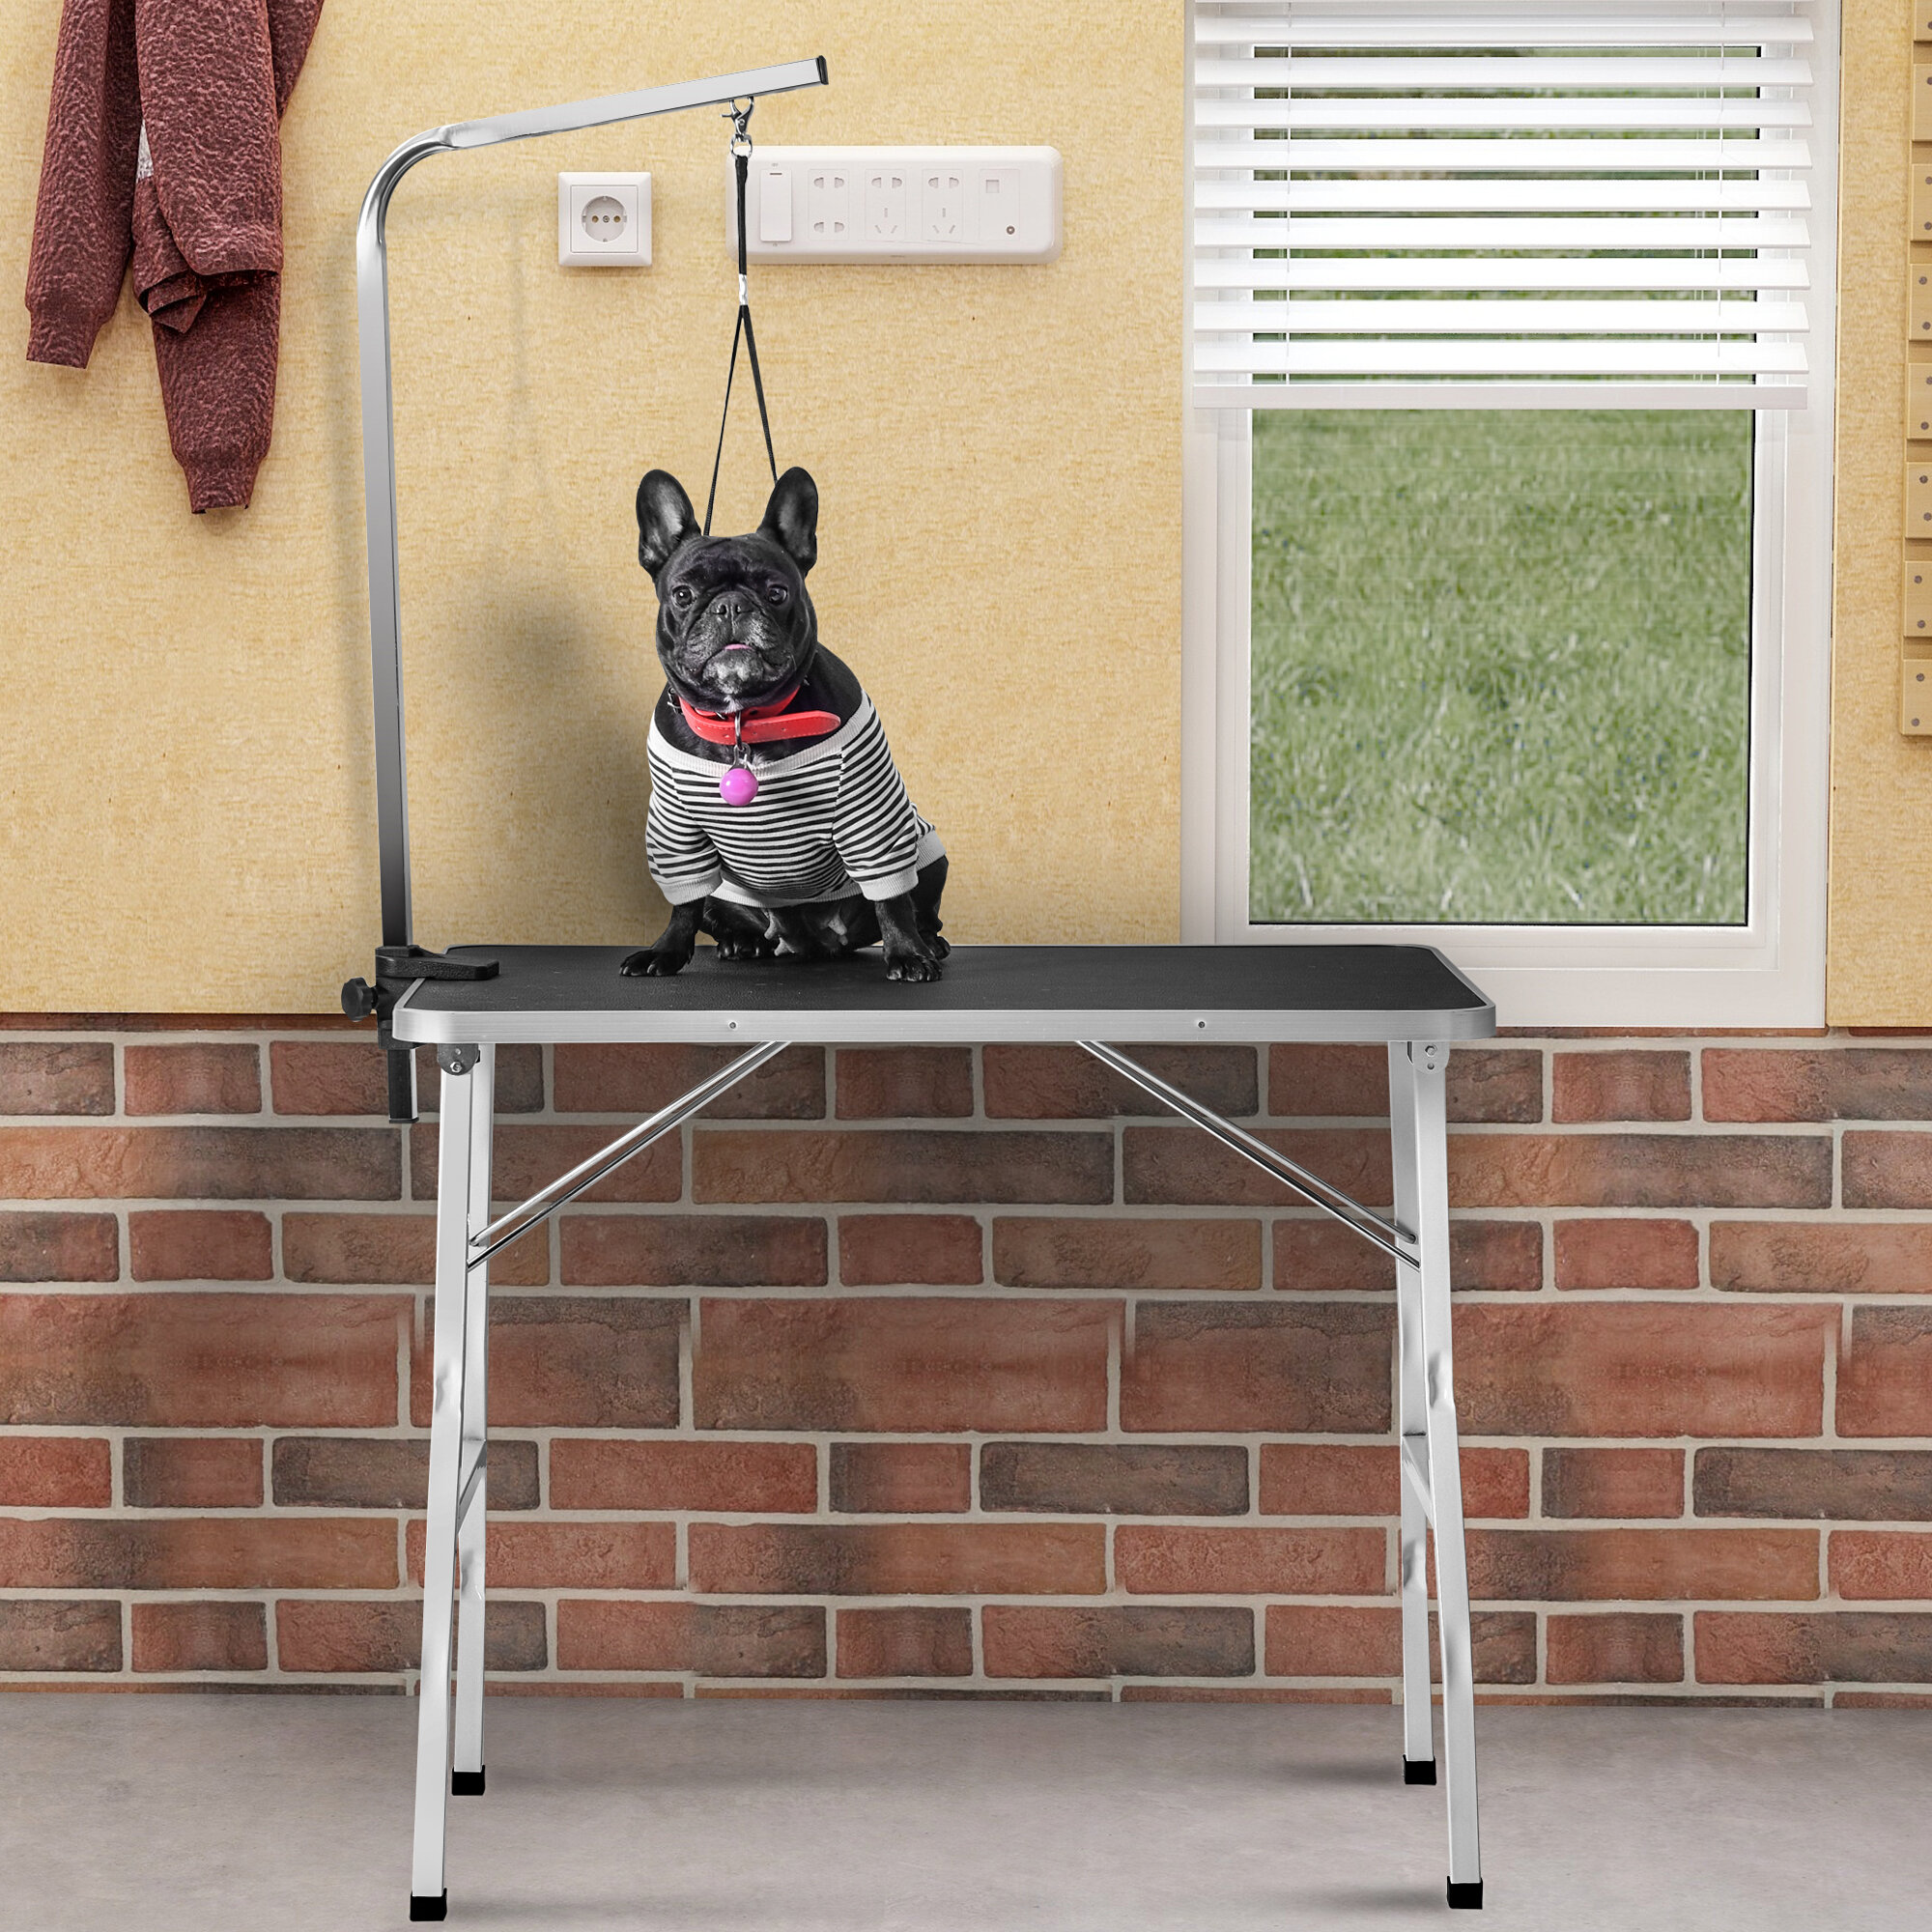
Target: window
[[1508, 526]]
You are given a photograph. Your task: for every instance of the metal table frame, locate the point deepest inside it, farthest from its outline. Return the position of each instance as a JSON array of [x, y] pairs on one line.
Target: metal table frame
[[466, 1236]]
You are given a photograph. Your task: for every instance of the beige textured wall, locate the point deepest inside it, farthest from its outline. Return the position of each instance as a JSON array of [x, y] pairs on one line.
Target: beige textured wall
[[185, 787], [1881, 877]]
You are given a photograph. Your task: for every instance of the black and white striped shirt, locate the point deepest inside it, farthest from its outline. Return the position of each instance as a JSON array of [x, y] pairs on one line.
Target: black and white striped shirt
[[829, 821]]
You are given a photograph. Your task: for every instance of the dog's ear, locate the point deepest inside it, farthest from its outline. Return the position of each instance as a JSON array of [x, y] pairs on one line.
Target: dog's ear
[[792, 517], [664, 519]]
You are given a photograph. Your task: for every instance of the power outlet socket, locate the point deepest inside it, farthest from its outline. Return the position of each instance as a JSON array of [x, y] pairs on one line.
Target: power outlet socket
[[900, 205], [828, 205], [942, 204], [885, 204], [603, 221]]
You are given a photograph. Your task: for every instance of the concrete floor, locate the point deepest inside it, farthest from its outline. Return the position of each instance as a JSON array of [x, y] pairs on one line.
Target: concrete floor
[[203, 1814]]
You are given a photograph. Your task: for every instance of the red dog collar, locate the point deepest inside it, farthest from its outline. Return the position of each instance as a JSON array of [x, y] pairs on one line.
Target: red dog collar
[[762, 725]]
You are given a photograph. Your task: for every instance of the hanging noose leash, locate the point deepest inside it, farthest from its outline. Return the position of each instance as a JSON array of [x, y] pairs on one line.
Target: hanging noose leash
[[740, 118]]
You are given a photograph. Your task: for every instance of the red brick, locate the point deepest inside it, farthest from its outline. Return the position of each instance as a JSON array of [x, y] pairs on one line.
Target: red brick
[[1325, 1641], [194, 1077], [693, 1250], [596, 1473], [1887, 1170], [1495, 1084], [1625, 1254], [1839, 1485], [1640, 1369], [44, 1633], [193, 1553], [901, 1478], [528, 1158], [1485, 1255], [56, 1077], [347, 1076], [1622, 1083], [200, 1636], [1181, 1165], [572, 1362], [42, 1246], [1822, 1257], [1309, 1081], [1117, 1640], [1885, 1376], [905, 1640], [926, 1250], [388, 1472], [1066, 1083], [1613, 1482], [1859, 1083], [199, 1245], [1114, 1478], [200, 1163], [1623, 1647], [637, 1079], [904, 1083], [55, 1473], [1894, 1564], [1586, 1564], [1287, 1368], [370, 1250], [1640, 1171], [186, 1361], [1363, 1479], [341, 1634], [899, 1164], [570, 1555], [1164, 1561], [898, 1559], [925, 1365], [711, 1640], [195, 1472], [1814, 1647], [1064, 1252]]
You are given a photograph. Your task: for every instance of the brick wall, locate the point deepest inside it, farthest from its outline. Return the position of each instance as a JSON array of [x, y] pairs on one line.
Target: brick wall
[[928, 1370]]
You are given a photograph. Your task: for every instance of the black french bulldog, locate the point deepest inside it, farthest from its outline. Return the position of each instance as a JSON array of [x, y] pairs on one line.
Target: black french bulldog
[[778, 823]]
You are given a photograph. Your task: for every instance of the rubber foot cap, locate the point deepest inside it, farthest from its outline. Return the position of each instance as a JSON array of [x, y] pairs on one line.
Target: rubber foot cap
[[468, 1783], [1468, 1896], [422, 1904], [1418, 1771]]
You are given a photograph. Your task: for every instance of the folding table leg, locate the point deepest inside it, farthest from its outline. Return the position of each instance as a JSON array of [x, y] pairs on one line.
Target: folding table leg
[[1418, 1744], [1419, 1075], [457, 1139], [472, 1501]]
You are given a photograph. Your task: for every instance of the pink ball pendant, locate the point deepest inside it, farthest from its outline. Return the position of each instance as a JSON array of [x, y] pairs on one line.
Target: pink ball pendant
[[739, 785]]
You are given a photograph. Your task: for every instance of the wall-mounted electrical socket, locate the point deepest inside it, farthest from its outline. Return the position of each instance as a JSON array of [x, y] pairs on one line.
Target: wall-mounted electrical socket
[[899, 204], [603, 221]]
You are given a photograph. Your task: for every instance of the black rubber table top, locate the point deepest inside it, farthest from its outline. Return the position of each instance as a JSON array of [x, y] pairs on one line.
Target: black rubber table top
[[987, 993]]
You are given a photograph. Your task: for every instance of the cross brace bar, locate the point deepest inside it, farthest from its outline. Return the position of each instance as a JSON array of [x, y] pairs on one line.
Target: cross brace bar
[[469, 1482], [541, 1206], [1342, 1207]]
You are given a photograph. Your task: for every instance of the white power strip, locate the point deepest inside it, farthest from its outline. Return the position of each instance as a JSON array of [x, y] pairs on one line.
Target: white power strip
[[899, 204]]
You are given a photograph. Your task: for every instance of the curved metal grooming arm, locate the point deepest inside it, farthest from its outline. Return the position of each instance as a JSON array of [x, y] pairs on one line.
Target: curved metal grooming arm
[[379, 437]]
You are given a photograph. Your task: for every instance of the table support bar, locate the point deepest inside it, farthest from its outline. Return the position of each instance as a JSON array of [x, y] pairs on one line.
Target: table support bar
[[540, 1206], [1389, 1239]]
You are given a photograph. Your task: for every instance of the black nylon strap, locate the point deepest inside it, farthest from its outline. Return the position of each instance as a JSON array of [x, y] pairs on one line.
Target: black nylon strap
[[744, 329]]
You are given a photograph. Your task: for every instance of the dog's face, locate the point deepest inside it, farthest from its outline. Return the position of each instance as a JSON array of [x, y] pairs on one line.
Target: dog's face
[[735, 627]]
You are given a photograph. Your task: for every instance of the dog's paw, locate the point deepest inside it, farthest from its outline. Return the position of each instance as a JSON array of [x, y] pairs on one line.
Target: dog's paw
[[652, 964], [939, 947], [744, 949], [911, 967]]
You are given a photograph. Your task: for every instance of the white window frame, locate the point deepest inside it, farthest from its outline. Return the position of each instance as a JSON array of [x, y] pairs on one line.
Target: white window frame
[[1770, 970]]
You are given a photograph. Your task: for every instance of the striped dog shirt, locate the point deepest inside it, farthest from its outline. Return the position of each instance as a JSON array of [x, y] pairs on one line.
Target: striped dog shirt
[[829, 821]]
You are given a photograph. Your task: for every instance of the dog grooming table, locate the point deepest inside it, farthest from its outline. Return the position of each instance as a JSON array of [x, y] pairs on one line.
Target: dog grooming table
[[1097, 997]]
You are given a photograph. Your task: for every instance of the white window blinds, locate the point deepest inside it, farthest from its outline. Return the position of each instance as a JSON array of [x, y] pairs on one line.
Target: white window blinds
[[1404, 201]]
